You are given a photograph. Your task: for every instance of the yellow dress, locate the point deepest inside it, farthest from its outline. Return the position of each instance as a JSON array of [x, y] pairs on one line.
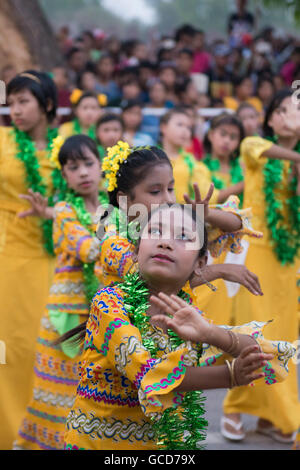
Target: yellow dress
[[56, 367], [185, 174], [278, 404], [233, 103], [218, 304], [26, 272], [66, 130], [121, 386]]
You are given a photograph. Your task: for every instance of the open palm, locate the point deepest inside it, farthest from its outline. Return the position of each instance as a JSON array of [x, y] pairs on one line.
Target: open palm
[[184, 319]]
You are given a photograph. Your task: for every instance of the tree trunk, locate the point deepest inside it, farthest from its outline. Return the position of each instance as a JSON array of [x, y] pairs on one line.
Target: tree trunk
[[26, 37]]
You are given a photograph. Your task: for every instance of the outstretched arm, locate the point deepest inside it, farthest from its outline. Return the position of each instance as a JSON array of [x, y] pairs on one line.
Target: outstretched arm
[[229, 272], [39, 206], [225, 221]]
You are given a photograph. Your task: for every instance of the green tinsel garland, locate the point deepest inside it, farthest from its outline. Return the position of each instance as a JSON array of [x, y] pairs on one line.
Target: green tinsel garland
[[236, 172], [285, 239], [78, 129], [183, 427], [90, 280], [27, 154]]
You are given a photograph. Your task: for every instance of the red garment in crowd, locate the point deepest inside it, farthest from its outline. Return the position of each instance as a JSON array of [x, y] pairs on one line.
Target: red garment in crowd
[[196, 148], [202, 62]]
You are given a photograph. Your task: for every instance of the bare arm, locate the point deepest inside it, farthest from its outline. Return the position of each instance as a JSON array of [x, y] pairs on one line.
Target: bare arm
[[225, 221], [280, 153], [229, 272], [237, 189]]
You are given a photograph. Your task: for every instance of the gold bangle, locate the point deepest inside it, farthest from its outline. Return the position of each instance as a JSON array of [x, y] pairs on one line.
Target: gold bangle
[[234, 343], [230, 366]]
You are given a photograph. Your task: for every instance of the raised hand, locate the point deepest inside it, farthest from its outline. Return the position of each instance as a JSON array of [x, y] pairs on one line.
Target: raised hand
[[240, 274], [39, 206], [198, 199], [247, 364], [291, 118], [184, 319]]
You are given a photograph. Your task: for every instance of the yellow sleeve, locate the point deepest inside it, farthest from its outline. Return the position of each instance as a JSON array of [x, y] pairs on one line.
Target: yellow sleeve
[[116, 257], [71, 237], [252, 150], [66, 130], [203, 177], [219, 241], [110, 333], [275, 371]]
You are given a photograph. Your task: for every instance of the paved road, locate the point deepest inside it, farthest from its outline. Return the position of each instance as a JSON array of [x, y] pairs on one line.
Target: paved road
[[253, 441]]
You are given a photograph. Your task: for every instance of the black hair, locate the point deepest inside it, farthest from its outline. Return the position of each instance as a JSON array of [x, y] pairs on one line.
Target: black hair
[[109, 117], [278, 98], [86, 94], [185, 29], [246, 105], [182, 85], [186, 51], [173, 111], [224, 119], [41, 86], [127, 104], [136, 168], [71, 52], [238, 80], [74, 149]]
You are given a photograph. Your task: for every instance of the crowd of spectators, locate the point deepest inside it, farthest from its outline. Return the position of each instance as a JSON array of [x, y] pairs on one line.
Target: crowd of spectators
[[183, 69]]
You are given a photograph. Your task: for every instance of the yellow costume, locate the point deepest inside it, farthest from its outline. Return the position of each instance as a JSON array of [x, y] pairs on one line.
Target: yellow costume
[[187, 170], [233, 103], [218, 305], [121, 385], [66, 130], [26, 272], [278, 404], [56, 369]]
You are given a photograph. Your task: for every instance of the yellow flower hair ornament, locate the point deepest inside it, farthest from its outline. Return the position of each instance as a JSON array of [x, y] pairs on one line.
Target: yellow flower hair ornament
[[75, 96], [116, 155], [55, 149], [102, 100]]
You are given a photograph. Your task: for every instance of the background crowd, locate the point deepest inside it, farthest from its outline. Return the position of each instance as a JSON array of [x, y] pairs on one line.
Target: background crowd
[[250, 65]]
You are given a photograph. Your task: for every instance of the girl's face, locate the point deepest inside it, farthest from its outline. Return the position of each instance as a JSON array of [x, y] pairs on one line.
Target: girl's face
[[266, 91], [178, 130], [109, 133], [132, 118], [245, 89], [156, 188], [88, 111], [83, 176], [106, 67], [165, 256], [88, 81], [276, 121], [250, 121], [168, 76], [25, 110], [158, 94], [224, 139]]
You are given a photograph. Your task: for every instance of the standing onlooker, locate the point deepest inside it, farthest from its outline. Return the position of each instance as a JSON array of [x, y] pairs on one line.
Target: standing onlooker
[[106, 83], [132, 116], [76, 63], [240, 23], [220, 77], [167, 75], [202, 59]]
